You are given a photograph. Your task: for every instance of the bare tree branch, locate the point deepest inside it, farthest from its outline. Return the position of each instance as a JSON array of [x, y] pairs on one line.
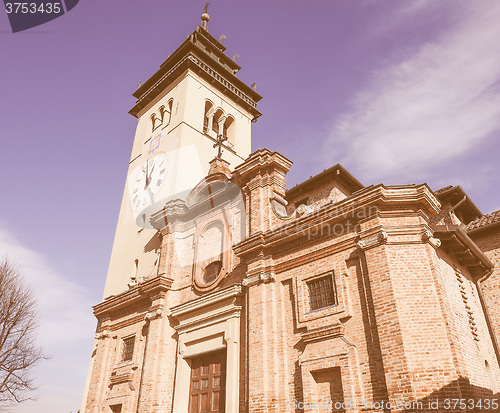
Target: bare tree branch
[[18, 349]]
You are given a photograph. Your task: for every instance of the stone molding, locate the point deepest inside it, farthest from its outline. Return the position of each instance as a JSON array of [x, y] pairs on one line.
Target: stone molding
[[262, 159], [238, 90], [207, 324], [373, 241], [152, 315], [103, 334], [121, 378], [323, 333], [265, 277], [150, 288], [427, 236], [347, 210], [207, 300]]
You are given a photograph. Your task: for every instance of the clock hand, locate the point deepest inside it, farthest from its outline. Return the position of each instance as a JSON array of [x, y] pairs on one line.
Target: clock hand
[[146, 176], [151, 173]]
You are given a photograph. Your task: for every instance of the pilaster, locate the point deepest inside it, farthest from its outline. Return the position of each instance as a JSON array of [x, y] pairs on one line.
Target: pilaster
[[261, 177]]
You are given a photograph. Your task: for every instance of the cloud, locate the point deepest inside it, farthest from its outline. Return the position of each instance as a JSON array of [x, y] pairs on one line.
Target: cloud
[[429, 107], [66, 327]]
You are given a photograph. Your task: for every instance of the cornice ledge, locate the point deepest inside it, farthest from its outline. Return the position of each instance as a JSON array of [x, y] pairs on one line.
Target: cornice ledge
[[263, 158], [349, 209], [121, 378], [410, 193], [142, 291], [249, 244], [193, 57], [323, 333], [207, 300]]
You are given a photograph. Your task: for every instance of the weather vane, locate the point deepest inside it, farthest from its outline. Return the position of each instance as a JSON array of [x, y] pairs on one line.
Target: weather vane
[[220, 141], [205, 17]]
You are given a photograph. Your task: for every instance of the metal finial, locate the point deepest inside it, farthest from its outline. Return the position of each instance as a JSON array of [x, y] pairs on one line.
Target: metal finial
[[220, 141], [205, 17]]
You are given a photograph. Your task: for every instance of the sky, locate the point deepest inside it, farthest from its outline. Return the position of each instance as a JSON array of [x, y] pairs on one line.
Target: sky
[[396, 91]]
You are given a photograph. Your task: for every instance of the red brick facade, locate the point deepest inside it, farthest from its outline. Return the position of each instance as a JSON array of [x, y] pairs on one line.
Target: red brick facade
[[329, 296], [407, 326]]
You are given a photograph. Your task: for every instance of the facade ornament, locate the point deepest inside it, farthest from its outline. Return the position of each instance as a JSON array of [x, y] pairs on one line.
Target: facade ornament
[[267, 277], [303, 209], [103, 334], [260, 277], [251, 281], [427, 236], [133, 282], [373, 241], [151, 315]]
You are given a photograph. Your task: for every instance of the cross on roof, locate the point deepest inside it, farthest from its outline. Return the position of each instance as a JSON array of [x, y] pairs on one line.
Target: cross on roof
[[219, 143], [205, 10]]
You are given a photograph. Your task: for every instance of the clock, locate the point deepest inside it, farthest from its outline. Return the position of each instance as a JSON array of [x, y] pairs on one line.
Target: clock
[[146, 181]]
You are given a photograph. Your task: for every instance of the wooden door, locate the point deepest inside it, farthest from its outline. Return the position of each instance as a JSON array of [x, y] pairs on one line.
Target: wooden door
[[208, 384]]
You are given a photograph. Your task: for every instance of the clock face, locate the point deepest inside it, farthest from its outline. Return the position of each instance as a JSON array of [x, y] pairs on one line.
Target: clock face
[[146, 181]]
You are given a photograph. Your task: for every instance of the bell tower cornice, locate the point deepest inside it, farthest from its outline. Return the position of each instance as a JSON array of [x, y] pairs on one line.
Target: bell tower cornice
[[204, 55]]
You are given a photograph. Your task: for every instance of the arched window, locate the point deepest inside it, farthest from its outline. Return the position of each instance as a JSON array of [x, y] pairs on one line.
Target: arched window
[[215, 123], [207, 118], [228, 130], [164, 115], [155, 121], [168, 114]]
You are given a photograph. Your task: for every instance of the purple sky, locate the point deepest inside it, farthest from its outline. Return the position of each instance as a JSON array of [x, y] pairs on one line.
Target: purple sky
[[397, 91]]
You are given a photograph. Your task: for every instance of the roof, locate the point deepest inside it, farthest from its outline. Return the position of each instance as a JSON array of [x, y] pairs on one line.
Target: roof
[[456, 196], [335, 172], [446, 188], [204, 55], [455, 240], [484, 221]]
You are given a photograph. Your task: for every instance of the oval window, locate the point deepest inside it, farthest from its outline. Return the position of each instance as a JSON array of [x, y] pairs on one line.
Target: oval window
[[211, 271]]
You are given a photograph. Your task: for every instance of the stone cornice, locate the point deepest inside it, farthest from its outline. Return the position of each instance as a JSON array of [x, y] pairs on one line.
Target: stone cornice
[[262, 158], [182, 217], [207, 301], [323, 333], [191, 56], [362, 205], [143, 291]]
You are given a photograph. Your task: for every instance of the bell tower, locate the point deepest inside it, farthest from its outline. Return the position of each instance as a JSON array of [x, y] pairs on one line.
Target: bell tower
[[192, 102]]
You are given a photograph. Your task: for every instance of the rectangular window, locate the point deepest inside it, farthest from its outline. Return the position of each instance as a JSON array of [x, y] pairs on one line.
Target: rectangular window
[[322, 292], [128, 348]]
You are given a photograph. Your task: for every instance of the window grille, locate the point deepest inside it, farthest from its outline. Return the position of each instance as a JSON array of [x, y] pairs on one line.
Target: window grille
[[128, 348], [322, 292]]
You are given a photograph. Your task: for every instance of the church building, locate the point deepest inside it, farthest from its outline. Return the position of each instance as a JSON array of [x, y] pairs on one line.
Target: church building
[[229, 292]]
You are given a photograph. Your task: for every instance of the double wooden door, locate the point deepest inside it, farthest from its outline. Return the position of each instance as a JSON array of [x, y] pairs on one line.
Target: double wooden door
[[208, 384]]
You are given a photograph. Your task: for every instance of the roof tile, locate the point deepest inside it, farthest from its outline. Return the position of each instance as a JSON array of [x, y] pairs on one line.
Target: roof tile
[[484, 221]]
